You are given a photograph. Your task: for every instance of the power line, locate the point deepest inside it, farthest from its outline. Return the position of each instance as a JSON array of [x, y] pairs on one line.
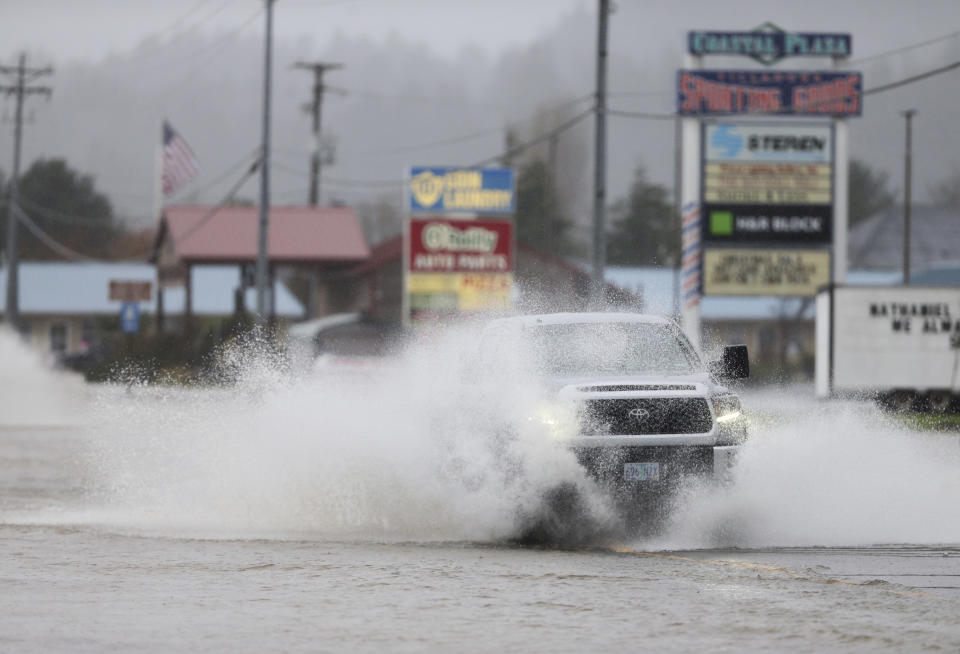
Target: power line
[[535, 141], [469, 137], [60, 216], [48, 240], [915, 78], [416, 99], [338, 181], [642, 94], [227, 199], [905, 48], [176, 23], [160, 48], [498, 157], [207, 217], [218, 47], [641, 114], [245, 160], [405, 149]]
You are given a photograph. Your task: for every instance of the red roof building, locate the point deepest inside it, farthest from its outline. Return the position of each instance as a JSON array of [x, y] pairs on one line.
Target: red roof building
[[303, 235], [312, 244]]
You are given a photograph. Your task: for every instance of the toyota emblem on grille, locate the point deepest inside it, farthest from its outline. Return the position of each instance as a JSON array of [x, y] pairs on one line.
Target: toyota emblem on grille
[[638, 413]]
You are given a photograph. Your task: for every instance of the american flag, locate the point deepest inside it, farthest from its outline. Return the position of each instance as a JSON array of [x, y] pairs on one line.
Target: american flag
[[179, 162]]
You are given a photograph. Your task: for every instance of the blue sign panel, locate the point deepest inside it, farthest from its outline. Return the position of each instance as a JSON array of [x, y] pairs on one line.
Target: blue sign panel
[[462, 190], [792, 93], [130, 317], [770, 46]]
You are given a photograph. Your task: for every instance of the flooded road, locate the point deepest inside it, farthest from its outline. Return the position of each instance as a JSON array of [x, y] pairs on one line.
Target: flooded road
[[279, 517]]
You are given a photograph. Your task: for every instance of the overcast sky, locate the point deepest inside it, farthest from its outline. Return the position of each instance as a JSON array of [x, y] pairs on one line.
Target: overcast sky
[[429, 71], [91, 29]]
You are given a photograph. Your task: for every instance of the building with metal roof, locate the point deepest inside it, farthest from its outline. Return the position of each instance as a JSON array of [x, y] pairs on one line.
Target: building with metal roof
[[59, 302], [314, 244], [877, 242]]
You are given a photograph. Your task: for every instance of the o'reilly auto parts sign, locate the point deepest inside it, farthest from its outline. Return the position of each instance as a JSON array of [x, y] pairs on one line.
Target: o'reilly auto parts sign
[[765, 182], [458, 266]]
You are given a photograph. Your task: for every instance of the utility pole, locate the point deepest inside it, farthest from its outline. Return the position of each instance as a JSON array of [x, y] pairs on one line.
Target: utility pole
[[262, 271], [314, 107], [19, 89], [907, 179], [549, 192], [600, 158]]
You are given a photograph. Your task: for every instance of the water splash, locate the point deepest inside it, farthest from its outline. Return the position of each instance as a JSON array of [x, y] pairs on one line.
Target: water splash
[[828, 474], [32, 392], [409, 448]]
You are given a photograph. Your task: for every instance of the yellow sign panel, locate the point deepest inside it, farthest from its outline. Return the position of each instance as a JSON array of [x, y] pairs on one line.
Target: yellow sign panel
[[768, 183], [768, 169], [438, 292], [765, 272], [766, 195]]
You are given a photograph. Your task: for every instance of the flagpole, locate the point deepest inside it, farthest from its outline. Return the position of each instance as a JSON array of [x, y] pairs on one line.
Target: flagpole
[[158, 176]]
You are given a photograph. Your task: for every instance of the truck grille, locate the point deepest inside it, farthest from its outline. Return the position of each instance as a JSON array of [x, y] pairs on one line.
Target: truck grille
[[668, 415], [616, 388]]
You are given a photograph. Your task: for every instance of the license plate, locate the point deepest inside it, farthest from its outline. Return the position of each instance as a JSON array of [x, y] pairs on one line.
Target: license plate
[[641, 471]]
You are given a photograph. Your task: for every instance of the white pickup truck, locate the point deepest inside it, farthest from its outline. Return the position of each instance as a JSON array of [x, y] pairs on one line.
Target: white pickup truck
[[630, 396]]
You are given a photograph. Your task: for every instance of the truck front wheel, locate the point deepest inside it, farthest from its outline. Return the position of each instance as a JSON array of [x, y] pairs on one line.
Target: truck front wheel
[[941, 401]]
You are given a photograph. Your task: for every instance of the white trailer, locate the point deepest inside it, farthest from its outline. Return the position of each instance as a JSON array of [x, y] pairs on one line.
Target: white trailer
[[899, 344]]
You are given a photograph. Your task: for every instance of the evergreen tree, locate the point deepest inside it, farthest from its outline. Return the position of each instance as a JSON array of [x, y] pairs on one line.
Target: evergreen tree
[[868, 192], [946, 193], [67, 207], [540, 221], [644, 227]]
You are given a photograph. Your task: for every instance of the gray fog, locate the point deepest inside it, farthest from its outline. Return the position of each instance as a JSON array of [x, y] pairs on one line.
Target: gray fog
[[429, 82]]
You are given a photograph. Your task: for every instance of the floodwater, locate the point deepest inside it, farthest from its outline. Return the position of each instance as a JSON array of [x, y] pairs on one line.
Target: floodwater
[[360, 509]]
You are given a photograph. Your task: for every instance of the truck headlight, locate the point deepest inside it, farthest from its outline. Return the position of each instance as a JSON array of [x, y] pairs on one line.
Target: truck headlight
[[731, 426], [727, 408], [558, 420]]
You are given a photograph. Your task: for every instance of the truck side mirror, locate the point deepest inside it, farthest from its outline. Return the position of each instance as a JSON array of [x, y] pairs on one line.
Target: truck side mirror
[[733, 363]]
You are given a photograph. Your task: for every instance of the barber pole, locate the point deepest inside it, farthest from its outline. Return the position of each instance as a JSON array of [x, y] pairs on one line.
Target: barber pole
[[690, 269]]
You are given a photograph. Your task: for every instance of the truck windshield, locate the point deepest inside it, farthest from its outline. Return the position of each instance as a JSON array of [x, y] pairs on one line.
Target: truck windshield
[[583, 349]]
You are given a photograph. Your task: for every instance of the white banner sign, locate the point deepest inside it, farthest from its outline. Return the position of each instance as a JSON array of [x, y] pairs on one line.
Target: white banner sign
[[759, 142]]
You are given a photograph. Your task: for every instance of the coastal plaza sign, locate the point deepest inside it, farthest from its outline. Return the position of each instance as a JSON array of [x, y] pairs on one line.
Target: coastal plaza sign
[[441, 190], [768, 44], [455, 266]]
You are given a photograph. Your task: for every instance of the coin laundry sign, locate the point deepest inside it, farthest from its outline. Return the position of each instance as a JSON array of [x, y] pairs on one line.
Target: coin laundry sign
[[462, 190]]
